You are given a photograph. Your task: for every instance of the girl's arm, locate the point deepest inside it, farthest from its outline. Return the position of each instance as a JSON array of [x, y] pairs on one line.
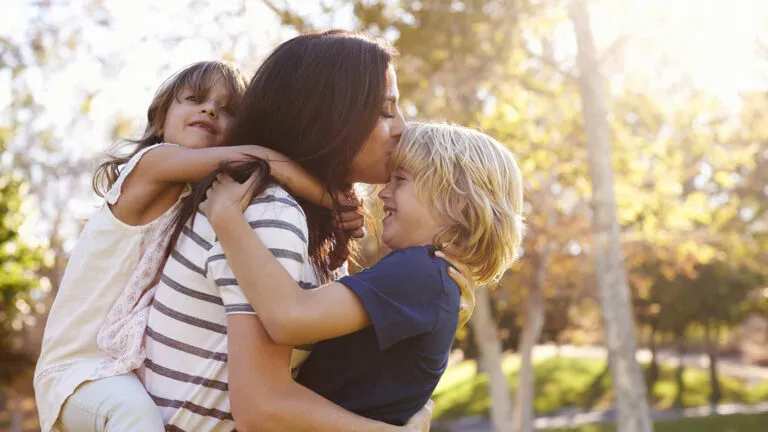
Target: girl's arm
[[178, 164], [290, 314]]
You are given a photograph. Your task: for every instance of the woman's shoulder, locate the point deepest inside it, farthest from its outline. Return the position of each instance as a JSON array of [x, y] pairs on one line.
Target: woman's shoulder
[[275, 203]]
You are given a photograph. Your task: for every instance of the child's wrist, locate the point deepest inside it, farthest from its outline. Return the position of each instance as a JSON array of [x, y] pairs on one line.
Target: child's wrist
[[224, 217]]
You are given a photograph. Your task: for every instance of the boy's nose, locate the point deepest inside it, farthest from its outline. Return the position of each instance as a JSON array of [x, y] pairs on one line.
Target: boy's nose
[[385, 193]]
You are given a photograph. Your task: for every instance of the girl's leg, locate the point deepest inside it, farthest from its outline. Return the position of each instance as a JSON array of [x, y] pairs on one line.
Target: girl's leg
[[113, 404]]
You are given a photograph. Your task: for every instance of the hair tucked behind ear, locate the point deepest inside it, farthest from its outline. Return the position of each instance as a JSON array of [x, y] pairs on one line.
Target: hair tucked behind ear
[[240, 171]]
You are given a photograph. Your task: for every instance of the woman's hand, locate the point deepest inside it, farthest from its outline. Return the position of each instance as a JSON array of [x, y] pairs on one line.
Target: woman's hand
[[226, 198], [420, 421]]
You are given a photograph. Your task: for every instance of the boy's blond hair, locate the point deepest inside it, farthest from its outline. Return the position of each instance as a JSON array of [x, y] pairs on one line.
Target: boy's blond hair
[[474, 182]]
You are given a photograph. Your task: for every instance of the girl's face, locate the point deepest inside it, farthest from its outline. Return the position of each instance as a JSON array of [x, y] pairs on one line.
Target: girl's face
[[407, 220], [370, 164], [196, 123]]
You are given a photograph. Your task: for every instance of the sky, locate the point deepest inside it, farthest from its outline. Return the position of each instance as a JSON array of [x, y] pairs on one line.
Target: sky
[[710, 41]]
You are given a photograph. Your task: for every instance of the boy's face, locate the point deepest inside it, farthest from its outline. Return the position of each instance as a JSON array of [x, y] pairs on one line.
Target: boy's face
[[407, 220], [196, 123]]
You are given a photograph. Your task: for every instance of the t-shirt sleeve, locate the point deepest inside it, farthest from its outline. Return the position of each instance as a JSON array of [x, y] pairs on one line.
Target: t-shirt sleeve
[[282, 228], [401, 294]]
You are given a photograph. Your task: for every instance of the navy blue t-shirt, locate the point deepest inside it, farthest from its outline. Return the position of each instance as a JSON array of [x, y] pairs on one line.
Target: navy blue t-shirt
[[388, 370]]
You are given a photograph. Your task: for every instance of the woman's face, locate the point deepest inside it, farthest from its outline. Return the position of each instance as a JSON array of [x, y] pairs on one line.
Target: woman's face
[[371, 163]]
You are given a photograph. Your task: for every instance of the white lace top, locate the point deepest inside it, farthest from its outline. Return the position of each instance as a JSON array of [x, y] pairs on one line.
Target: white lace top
[[96, 324]]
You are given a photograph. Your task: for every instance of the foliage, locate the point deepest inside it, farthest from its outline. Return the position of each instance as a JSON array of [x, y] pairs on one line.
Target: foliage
[[18, 262], [569, 382], [724, 423]]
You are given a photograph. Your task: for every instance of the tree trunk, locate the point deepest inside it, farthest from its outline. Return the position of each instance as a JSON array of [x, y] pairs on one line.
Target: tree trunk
[[631, 397], [489, 346], [679, 372], [715, 395], [653, 368], [17, 415], [534, 324]]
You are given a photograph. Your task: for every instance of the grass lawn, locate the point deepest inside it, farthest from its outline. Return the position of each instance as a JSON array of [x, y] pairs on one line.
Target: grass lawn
[[569, 382], [729, 423]]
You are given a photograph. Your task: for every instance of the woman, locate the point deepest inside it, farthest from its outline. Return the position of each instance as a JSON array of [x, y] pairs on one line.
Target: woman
[[329, 102]]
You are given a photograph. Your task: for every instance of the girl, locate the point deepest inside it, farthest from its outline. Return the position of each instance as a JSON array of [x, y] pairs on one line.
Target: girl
[[386, 332], [84, 381]]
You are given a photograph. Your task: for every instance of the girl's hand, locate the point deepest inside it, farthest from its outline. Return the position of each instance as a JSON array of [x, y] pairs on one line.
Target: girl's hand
[[420, 421], [226, 198]]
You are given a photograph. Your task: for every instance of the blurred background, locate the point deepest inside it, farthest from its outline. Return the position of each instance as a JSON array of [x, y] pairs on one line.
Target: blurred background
[[641, 128]]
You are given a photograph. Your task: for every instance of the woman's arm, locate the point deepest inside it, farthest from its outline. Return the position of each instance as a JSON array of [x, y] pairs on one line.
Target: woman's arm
[[264, 396], [178, 164]]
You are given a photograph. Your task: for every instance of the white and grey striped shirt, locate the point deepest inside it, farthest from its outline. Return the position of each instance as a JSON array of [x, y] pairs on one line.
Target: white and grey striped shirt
[[185, 371]]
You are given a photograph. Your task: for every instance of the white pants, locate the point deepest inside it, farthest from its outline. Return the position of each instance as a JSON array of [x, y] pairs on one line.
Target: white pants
[[113, 404]]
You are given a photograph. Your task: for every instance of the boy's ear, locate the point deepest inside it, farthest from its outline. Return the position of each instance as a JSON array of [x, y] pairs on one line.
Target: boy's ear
[[460, 202]]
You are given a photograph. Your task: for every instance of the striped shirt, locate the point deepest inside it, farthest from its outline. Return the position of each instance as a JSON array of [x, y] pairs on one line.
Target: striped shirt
[[185, 371]]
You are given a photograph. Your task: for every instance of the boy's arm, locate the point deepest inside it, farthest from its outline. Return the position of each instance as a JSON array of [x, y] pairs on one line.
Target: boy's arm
[[178, 164], [292, 315]]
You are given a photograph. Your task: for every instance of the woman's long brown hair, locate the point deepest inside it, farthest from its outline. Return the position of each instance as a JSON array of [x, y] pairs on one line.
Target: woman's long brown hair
[[315, 99]]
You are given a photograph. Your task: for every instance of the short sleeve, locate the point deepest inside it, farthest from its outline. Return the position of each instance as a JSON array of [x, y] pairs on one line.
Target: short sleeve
[[282, 228], [401, 294], [114, 192]]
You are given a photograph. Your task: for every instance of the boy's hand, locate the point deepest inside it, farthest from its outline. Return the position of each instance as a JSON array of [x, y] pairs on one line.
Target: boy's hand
[[420, 421], [226, 197]]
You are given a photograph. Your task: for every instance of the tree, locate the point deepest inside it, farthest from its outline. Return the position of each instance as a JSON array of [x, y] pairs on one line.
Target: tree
[[19, 262], [631, 398]]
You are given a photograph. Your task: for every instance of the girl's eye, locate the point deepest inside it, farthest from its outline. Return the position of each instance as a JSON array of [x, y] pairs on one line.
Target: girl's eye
[[229, 111], [191, 98]]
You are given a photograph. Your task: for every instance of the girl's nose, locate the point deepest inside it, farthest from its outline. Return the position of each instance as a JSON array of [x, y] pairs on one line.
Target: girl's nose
[[209, 110]]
